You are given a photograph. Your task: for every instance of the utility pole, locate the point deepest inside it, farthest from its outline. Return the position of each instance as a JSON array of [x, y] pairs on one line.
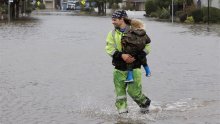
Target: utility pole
[[105, 8], [172, 11], [9, 12], [208, 11]]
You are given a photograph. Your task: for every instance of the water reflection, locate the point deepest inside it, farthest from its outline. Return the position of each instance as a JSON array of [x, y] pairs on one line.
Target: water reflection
[[207, 29]]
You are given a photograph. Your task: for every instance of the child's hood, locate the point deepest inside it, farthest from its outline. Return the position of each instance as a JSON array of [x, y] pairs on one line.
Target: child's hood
[[137, 23]]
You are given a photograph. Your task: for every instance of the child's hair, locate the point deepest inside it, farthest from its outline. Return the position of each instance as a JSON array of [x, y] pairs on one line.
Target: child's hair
[[137, 24]]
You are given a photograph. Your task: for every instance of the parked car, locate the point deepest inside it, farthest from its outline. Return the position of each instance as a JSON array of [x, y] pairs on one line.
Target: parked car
[[71, 4], [78, 8]]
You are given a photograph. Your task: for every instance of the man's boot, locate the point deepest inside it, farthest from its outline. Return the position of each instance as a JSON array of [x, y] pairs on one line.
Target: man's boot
[[145, 108]]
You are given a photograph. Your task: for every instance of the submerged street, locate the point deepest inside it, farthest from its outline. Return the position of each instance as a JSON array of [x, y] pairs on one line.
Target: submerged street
[[54, 70]]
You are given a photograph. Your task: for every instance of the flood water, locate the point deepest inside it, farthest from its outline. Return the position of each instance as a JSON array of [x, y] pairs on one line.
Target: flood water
[[54, 70]]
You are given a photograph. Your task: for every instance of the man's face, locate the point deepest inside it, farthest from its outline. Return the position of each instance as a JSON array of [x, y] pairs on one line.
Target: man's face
[[117, 22]]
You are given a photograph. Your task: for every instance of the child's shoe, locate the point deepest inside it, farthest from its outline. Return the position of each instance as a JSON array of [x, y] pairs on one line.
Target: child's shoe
[[129, 78], [147, 70]]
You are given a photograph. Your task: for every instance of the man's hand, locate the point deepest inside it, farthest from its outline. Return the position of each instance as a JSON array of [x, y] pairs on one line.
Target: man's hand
[[128, 58]]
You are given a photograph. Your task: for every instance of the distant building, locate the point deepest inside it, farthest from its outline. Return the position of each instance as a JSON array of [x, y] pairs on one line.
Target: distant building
[[49, 4], [213, 3], [138, 5]]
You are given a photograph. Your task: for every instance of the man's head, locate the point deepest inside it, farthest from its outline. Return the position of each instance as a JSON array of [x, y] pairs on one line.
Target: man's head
[[119, 14], [118, 18]]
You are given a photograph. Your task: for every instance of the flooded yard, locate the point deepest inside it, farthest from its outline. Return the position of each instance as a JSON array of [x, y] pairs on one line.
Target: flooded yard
[[54, 70]]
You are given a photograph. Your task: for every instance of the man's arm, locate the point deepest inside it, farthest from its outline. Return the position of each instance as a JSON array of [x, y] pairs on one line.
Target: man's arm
[[147, 49], [111, 50], [110, 47]]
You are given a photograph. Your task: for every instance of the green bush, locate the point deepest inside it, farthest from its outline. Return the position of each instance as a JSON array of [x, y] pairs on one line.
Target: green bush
[[164, 14], [214, 14], [3, 9], [178, 13], [150, 7], [42, 6], [163, 3], [189, 20], [154, 14], [182, 17], [28, 10], [197, 14]]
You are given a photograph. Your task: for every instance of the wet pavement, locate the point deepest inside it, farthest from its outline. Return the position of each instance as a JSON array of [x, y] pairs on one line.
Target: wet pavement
[[54, 70]]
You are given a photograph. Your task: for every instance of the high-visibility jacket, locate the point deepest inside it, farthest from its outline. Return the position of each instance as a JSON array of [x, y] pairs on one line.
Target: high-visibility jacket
[[114, 48]]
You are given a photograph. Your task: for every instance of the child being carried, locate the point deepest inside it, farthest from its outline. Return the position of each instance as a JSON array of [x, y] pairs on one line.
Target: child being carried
[[133, 43]]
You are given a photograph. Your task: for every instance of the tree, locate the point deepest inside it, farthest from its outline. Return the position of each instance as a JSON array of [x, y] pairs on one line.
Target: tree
[[189, 2], [101, 4], [163, 3], [150, 6]]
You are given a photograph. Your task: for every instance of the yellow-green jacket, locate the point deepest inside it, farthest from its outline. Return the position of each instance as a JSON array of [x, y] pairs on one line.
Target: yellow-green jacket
[[114, 49]]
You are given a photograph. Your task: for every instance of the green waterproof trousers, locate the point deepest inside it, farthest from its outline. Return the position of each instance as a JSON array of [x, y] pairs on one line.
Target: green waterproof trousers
[[134, 89]]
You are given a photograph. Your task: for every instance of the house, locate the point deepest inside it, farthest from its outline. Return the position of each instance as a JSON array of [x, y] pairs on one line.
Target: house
[[49, 4], [213, 3], [138, 5]]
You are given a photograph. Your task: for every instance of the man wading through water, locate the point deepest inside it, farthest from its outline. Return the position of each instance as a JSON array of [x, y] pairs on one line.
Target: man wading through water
[[120, 61]]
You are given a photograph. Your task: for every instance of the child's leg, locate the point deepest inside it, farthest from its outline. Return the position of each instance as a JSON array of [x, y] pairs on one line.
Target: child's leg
[[129, 78], [147, 70], [146, 67]]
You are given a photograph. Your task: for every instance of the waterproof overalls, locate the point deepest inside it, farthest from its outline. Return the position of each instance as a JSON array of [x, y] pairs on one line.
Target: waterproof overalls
[[113, 48]]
